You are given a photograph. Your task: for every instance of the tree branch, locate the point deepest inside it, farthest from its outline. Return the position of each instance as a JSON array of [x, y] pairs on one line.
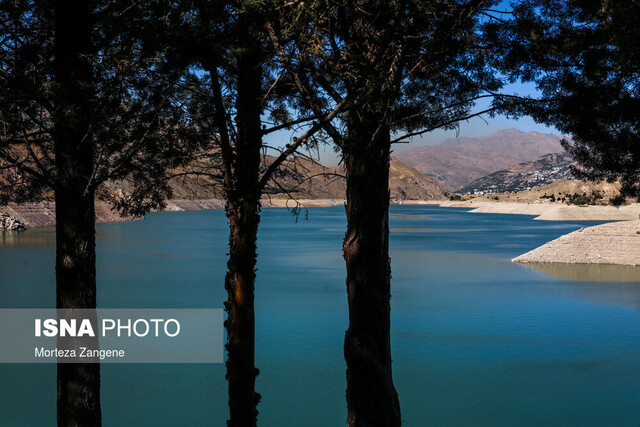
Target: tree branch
[[298, 142], [450, 122], [302, 86]]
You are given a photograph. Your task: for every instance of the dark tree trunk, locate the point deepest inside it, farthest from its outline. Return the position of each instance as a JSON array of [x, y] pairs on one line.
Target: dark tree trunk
[[241, 372], [371, 396], [78, 384], [243, 206]]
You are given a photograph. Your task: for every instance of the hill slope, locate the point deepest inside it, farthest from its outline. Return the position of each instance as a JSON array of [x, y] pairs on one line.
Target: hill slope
[[302, 179], [458, 162], [524, 176], [559, 189]]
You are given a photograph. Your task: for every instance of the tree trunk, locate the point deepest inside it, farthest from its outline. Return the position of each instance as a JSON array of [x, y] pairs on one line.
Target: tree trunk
[[371, 397], [78, 384], [241, 372], [243, 206]]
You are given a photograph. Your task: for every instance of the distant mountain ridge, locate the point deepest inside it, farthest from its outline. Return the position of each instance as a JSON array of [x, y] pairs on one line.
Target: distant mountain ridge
[[302, 179], [457, 162], [306, 179], [524, 176]]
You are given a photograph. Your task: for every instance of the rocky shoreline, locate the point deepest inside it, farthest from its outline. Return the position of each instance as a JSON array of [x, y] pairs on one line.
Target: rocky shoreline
[[7, 222], [616, 243], [612, 243], [552, 211], [42, 214]]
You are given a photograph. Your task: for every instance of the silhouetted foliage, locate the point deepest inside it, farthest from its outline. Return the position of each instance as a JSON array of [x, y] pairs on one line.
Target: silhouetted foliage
[[239, 94], [584, 57], [84, 100], [400, 69]]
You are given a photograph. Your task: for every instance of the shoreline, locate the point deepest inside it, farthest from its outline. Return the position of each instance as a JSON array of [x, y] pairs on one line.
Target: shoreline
[[42, 214], [615, 243], [552, 211]]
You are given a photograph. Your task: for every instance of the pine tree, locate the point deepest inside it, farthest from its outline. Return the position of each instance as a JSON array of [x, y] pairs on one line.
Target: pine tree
[[82, 101], [583, 56], [400, 69], [239, 95]]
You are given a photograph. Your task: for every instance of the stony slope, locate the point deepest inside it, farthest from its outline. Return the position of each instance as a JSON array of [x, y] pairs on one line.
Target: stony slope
[[406, 183]]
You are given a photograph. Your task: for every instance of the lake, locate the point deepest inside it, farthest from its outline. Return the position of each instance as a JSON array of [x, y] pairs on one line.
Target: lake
[[476, 339]]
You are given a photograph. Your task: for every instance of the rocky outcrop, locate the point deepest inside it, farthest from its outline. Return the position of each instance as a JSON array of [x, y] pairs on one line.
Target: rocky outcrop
[[7, 222]]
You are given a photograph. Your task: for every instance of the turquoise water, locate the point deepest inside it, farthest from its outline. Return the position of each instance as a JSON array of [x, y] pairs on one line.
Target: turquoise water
[[476, 340]]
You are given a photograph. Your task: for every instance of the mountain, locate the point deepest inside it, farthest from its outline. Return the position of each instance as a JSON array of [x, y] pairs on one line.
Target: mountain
[[524, 176], [459, 161], [306, 179], [302, 179], [406, 183]]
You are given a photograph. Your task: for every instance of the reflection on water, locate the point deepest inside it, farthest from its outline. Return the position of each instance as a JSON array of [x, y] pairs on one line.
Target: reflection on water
[[410, 216], [38, 237], [426, 230], [417, 230], [589, 272], [175, 255]]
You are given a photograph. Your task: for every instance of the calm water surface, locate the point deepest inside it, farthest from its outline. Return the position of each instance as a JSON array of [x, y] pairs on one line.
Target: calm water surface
[[476, 340]]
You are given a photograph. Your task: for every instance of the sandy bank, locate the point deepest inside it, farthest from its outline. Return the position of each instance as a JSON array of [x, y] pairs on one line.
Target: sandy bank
[[613, 243], [307, 203], [43, 214], [553, 211], [214, 204]]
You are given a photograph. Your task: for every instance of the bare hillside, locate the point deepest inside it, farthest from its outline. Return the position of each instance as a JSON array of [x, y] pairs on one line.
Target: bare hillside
[[459, 161]]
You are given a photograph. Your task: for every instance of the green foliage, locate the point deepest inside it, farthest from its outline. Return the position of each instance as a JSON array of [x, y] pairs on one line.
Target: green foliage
[[585, 199]]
